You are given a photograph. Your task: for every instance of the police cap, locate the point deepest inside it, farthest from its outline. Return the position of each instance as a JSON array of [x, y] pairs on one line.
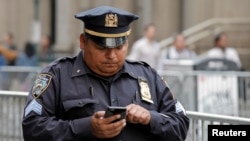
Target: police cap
[[107, 26]]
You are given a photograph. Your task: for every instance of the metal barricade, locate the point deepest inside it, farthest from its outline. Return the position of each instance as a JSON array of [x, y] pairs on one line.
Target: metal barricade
[[198, 130], [12, 104], [11, 110], [17, 78], [222, 92]]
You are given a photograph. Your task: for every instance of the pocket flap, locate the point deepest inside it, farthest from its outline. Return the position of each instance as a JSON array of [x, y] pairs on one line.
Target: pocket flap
[[69, 104]]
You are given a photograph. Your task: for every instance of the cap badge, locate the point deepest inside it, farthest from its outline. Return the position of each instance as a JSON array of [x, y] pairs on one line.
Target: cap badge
[[111, 20]]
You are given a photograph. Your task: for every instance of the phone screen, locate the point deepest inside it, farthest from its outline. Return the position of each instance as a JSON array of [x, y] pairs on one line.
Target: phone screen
[[110, 111]]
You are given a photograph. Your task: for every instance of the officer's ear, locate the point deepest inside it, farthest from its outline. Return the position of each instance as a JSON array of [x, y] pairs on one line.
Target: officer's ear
[[82, 41]]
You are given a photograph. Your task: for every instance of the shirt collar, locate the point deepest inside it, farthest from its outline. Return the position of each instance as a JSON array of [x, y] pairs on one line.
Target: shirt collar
[[129, 70], [80, 67]]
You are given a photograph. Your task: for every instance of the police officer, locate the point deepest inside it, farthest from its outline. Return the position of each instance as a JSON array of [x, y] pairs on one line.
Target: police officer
[[70, 96]]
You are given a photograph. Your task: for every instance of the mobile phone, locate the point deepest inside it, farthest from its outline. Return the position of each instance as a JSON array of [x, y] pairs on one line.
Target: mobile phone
[[114, 110]]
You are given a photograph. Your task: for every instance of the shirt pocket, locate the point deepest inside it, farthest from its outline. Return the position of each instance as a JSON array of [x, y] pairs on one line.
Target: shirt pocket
[[79, 108], [147, 105]]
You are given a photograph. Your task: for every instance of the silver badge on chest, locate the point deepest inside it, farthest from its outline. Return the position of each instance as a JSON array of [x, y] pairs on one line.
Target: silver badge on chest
[[144, 90]]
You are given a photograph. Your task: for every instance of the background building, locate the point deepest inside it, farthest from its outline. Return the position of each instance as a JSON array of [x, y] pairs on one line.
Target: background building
[[30, 19]]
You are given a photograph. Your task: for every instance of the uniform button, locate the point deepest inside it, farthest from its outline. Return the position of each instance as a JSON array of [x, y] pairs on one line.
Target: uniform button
[[78, 70], [80, 103], [113, 100]]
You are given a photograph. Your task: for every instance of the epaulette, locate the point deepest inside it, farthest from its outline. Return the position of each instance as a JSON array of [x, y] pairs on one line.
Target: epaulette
[[58, 60], [61, 59], [138, 62], [66, 58]]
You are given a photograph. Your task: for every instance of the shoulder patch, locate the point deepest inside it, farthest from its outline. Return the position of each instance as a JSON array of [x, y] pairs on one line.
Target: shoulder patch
[[179, 108], [41, 84], [165, 83]]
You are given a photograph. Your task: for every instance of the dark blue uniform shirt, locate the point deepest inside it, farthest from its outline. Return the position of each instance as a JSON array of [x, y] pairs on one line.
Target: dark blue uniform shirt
[[67, 93]]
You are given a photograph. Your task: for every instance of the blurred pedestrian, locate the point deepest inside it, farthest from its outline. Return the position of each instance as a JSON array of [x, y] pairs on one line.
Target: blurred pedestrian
[[11, 49], [179, 50], [46, 50], [2, 60], [221, 50], [28, 57], [7, 77], [146, 48]]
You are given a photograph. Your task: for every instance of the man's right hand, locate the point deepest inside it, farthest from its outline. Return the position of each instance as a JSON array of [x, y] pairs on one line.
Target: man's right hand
[[105, 127]]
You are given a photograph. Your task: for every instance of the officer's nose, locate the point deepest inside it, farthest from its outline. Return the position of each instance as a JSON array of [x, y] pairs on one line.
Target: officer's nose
[[110, 54]]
